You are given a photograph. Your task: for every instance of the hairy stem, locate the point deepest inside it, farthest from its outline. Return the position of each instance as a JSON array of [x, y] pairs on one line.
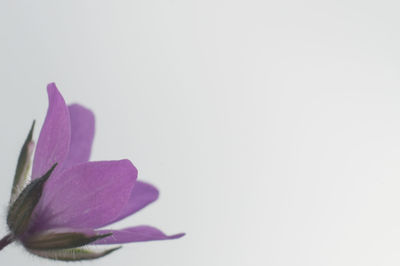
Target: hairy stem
[[8, 239]]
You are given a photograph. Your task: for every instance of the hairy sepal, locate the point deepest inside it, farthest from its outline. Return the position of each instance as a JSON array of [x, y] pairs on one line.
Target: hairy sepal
[[51, 240], [23, 166], [20, 212], [77, 254]]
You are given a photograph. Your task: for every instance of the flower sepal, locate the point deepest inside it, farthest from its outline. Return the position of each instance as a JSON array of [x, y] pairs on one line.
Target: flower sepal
[[61, 239], [20, 212], [23, 165], [76, 254]]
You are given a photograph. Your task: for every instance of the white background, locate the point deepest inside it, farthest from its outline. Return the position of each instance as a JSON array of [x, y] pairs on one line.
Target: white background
[[271, 128]]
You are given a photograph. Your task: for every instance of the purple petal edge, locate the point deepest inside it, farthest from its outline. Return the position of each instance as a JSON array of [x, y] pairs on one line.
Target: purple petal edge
[[142, 195], [55, 135], [82, 134]]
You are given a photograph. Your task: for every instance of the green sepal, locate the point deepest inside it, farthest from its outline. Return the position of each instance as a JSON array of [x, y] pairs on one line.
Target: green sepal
[[64, 240], [23, 165], [21, 210], [76, 254]]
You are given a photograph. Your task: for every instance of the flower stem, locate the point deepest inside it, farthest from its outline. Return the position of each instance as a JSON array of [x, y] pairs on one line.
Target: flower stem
[[8, 239]]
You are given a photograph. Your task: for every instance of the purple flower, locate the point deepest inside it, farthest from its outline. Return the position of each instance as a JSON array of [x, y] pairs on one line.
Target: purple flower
[[60, 211]]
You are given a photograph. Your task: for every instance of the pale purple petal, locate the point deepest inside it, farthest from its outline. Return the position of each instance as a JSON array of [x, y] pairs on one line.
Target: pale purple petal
[[54, 139], [82, 133], [88, 195], [134, 234], [142, 195]]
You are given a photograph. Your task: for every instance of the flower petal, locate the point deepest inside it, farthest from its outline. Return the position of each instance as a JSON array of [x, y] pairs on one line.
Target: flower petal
[[82, 133], [88, 195], [134, 234], [142, 195], [72, 254], [54, 139]]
